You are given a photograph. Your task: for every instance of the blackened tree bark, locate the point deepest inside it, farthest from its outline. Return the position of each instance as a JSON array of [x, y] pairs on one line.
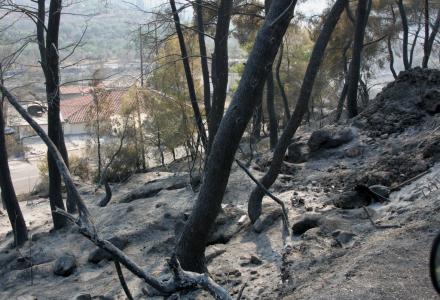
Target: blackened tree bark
[[426, 40], [220, 68], [188, 74], [8, 195], [191, 244], [270, 99], [257, 120], [356, 57], [203, 57], [51, 70], [255, 200], [343, 95], [414, 43], [405, 29], [270, 102], [281, 85], [391, 57], [431, 39]]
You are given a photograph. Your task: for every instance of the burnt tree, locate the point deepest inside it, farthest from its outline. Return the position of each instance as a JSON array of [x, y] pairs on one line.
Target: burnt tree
[[191, 244], [255, 200], [7, 189], [188, 75], [220, 67], [203, 57], [47, 37], [356, 57]]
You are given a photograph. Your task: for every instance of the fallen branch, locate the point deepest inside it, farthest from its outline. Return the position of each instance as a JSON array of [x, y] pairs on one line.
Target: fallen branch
[[377, 226], [182, 279], [266, 191], [406, 182], [122, 280]]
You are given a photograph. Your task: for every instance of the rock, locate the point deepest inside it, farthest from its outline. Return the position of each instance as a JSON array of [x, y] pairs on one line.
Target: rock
[[255, 260], [432, 150], [351, 200], [265, 221], [430, 101], [298, 153], [83, 296], [381, 190], [307, 222], [343, 237], [100, 254], [330, 137], [65, 265], [354, 151]]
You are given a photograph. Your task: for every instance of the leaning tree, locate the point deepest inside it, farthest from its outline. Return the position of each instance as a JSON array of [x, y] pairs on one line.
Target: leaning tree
[[191, 244]]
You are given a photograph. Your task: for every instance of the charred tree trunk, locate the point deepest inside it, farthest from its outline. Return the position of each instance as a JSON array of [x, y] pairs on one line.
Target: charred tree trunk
[[343, 95], [220, 68], [391, 57], [255, 200], [405, 30], [281, 85], [431, 39], [8, 195], [257, 122], [270, 102], [356, 58], [191, 244], [55, 130], [203, 58], [414, 43], [188, 74]]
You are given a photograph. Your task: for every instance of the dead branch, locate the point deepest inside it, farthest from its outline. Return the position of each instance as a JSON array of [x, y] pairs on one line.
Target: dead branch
[[406, 182], [266, 191], [182, 279], [122, 280]]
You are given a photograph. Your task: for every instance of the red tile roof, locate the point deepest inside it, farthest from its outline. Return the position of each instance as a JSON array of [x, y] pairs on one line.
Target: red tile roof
[[77, 110]]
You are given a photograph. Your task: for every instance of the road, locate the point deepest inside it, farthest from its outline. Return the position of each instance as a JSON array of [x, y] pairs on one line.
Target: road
[[24, 175]]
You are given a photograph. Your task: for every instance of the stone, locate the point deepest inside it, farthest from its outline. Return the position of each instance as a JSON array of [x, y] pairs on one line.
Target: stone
[[354, 151], [430, 101], [343, 237], [100, 254], [307, 222], [298, 153], [265, 221], [351, 200], [83, 296], [255, 260], [65, 265], [330, 137]]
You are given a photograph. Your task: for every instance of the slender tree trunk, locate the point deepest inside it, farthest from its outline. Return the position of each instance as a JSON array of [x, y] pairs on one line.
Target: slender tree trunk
[[431, 39], [203, 58], [255, 200], [405, 30], [343, 95], [414, 43], [188, 74], [220, 68], [391, 57], [426, 40], [55, 130], [270, 102], [356, 58], [8, 195], [281, 85], [191, 244]]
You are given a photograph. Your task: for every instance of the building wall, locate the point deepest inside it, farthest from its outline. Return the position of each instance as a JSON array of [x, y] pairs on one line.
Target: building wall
[[77, 128]]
